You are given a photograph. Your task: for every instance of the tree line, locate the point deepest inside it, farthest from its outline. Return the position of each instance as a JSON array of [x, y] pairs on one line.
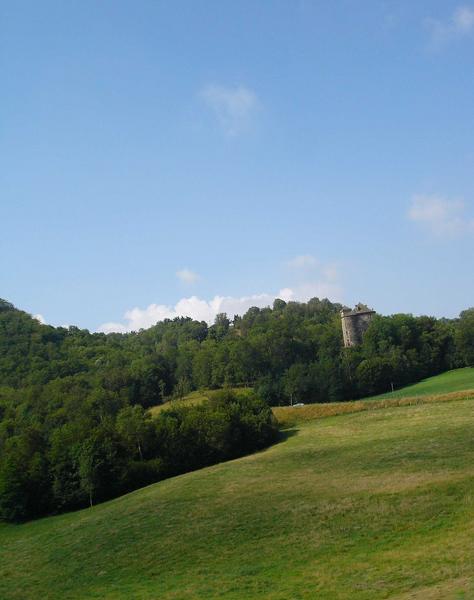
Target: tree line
[[74, 426], [68, 462]]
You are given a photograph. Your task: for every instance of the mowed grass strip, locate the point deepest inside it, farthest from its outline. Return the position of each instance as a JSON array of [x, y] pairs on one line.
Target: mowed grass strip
[[369, 505]]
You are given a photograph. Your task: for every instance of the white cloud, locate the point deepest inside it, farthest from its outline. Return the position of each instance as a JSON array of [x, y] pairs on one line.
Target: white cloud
[[40, 318], [187, 276], [233, 107], [460, 24], [304, 261], [206, 310], [441, 216], [194, 307], [111, 327]]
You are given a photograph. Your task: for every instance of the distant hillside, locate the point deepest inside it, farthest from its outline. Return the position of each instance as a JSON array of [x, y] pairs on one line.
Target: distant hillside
[[288, 353], [191, 399], [448, 387], [74, 425], [371, 505]]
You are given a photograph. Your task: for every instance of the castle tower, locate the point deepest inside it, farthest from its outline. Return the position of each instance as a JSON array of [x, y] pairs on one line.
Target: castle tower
[[355, 323]]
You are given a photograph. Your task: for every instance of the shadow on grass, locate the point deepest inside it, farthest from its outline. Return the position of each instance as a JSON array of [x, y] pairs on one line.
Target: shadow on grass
[[285, 434]]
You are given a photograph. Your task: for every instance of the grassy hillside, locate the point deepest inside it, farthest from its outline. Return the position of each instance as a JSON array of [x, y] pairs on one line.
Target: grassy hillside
[[451, 381], [448, 386], [371, 505], [446, 383], [288, 416], [190, 399]]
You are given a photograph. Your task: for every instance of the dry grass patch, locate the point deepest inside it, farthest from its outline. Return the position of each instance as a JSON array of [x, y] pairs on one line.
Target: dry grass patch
[[289, 416]]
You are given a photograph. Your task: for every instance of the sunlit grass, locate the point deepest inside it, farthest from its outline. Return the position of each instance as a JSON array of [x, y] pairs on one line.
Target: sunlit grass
[[456, 380], [441, 388], [289, 416], [370, 505]]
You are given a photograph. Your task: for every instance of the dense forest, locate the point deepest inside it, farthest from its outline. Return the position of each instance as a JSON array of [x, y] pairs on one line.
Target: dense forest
[[74, 428]]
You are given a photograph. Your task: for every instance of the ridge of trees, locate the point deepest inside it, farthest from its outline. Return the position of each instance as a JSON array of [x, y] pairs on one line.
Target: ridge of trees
[[74, 428]]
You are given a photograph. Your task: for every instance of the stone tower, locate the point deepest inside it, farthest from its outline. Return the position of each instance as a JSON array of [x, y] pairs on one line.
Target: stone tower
[[355, 323]]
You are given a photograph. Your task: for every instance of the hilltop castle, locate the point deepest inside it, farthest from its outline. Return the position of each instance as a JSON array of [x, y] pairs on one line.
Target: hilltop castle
[[355, 323]]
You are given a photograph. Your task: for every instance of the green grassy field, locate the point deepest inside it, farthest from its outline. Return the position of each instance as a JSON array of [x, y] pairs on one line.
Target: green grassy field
[[377, 504], [451, 381], [446, 387]]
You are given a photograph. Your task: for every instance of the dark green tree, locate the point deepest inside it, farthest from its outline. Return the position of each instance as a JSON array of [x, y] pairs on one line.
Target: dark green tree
[[465, 336]]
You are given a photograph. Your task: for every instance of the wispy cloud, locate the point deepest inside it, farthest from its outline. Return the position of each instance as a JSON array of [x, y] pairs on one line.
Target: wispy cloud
[[306, 265], [187, 276], [441, 216], [233, 107], [304, 261], [40, 318], [460, 24]]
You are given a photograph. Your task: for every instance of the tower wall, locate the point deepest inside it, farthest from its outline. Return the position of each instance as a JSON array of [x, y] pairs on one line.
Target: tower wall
[[355, 323]]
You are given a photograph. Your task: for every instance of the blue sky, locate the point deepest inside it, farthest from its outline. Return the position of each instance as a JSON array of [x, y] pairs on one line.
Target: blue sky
[[163, 158]]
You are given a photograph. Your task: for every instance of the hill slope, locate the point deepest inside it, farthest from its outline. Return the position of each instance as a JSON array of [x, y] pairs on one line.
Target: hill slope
[[450, 381], [192, 399], [446, 387], [371, 505]]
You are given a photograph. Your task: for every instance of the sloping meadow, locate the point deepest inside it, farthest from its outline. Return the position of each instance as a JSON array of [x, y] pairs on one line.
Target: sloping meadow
[[366, 505]]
